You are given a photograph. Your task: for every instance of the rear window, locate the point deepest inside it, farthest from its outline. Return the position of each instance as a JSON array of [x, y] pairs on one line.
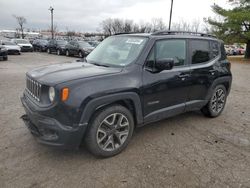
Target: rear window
[[200, 51]]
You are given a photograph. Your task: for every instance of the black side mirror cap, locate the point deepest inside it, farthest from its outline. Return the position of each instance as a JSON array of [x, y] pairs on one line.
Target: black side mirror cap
[[164, 64]]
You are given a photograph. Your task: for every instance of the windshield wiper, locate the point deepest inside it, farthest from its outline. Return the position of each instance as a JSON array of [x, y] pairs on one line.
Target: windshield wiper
[[98, 64]]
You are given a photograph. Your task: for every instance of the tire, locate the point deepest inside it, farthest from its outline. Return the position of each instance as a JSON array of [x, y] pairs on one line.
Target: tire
[[217, 102], [48, 51], [58, 52], [80, 54], [5, 58], [67, 53], [102, 138]]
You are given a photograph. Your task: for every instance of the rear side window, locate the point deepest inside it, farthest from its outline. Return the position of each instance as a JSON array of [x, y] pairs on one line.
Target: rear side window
[[215, 49], [200, 51]]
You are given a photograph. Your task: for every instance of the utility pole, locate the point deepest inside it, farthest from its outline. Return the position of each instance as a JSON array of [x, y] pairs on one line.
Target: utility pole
[[51, 9], [170, 18]]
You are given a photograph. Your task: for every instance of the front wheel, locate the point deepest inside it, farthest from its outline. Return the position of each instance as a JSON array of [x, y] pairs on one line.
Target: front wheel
[[58, 52], [48, 51], [217, 102], [110, 131], [80, 54], [67, 53]]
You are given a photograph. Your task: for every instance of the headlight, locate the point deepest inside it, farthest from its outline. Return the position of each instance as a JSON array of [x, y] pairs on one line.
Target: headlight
[[51, 94]]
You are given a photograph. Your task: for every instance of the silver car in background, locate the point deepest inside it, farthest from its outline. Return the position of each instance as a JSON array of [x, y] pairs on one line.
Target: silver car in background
[[11, 47]]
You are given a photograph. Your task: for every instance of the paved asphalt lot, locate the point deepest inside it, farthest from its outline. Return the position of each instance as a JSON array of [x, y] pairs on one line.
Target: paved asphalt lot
[[188, 150]]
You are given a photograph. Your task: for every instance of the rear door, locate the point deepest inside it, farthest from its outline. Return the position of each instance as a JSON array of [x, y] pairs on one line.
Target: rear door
[[204, 57]]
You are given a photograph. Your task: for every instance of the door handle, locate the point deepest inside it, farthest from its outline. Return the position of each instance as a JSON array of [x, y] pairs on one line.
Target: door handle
[[212, 71], [183, 75]]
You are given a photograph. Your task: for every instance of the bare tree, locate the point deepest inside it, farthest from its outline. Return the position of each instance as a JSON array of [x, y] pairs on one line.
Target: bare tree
[[157, 24], [195, 26], [21, 21], [107, 26]]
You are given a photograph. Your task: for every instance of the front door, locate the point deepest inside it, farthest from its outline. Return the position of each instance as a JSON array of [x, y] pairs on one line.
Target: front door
[[165, 92]]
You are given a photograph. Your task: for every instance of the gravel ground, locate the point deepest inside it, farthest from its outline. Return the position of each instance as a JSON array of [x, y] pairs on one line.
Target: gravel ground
[[188, 150]]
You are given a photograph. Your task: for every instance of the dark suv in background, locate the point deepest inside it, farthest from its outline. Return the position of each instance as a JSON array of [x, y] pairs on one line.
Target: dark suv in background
[[40, 45], [79, 48], [125, 82], [56, 46]]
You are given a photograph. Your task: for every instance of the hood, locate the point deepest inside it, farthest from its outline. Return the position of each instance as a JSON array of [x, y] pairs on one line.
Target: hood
[[20, 44], [12, 47], [58, 73], [89, 48]]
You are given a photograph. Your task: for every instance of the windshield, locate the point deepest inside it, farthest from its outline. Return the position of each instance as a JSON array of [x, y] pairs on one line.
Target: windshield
[[8, 43], [43, 41], [21, 41], [84, 44], [117, 50], [62, 42]]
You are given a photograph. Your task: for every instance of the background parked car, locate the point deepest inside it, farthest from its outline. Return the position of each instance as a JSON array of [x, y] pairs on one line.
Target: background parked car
[[57, 46], [80, 48], [11, 47], [24, 45], [234, 50], [40, 45], [94, 43], [3, 53]]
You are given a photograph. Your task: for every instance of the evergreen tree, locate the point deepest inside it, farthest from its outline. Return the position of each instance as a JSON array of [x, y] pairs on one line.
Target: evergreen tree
[[233, 24]]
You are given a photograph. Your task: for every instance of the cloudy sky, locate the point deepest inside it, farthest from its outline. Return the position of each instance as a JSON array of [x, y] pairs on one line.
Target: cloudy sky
[[86, 15]]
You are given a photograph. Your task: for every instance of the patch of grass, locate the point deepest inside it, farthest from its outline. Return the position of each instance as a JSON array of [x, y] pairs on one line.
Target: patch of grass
[[238, 59]]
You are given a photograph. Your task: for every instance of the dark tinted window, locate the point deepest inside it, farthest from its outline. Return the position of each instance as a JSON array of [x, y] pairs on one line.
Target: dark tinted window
[[215, 49], [200, 51], [175, 49]]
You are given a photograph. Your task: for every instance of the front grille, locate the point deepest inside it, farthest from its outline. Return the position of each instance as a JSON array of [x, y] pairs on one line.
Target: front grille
[[33, 88], [26, 47]]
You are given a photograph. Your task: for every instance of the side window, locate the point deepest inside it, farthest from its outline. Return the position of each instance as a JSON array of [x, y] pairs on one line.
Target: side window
[[200, 51], [215, 49], [223, 52], [171, 48]]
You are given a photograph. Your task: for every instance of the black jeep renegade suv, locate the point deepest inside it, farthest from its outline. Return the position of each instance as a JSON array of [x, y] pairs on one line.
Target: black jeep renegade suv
[[127, 81]]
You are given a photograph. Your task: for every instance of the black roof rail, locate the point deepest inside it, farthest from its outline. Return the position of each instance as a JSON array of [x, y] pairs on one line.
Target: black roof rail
[[167, 32], [125, 33]]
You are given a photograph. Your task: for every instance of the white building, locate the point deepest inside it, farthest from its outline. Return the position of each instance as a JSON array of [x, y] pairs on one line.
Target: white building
[[14, 33]]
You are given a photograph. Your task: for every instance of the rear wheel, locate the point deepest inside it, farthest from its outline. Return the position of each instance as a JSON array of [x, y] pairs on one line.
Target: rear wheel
[[217, 102], [110, 131]]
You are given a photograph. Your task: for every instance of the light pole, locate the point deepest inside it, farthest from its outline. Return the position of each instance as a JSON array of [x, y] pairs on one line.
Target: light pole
[[51, 9], [170, 18]]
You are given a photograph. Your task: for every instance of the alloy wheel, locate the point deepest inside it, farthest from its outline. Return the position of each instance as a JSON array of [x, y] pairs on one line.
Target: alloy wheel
[[113, 132], [218, 100]]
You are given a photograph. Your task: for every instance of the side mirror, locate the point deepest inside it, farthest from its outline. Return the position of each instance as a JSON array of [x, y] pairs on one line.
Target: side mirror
[[164, 64]]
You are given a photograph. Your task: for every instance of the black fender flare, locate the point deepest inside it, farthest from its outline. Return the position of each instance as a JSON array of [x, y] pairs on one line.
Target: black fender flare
[[221, 80], [96, 103]]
